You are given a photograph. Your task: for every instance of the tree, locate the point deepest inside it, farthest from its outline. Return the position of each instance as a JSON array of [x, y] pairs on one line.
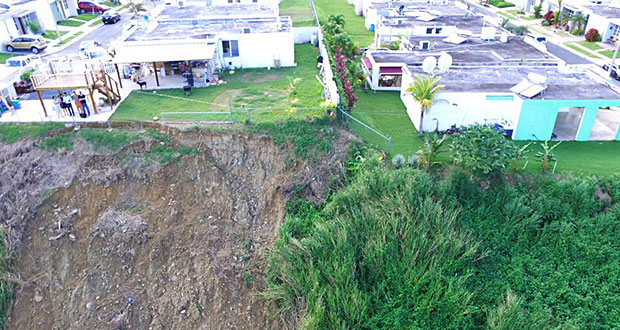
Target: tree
[[483, 150], [424, 89], [546, 155], [34, 27], [520, 155], [136, 9], [538, 10], [580, 20], [430, 149], [592, 35]]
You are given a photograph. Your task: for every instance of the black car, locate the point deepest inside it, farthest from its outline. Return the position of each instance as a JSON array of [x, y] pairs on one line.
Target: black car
[[614, 71], [108, 18]]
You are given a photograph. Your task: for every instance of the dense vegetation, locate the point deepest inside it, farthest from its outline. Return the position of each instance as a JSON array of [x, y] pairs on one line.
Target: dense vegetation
[[403, 249]]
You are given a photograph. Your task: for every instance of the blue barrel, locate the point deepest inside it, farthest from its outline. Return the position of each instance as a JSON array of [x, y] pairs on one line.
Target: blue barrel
[[16, 104]]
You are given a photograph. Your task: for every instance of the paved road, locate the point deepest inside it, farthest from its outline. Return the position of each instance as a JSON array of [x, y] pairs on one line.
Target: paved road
[[566, 55]]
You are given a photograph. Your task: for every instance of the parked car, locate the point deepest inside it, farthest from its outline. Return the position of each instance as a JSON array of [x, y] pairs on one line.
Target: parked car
[[108, 18], [91, 7], [98, 53], [84, 45], [34, 43], [614, 71], [25, 63]]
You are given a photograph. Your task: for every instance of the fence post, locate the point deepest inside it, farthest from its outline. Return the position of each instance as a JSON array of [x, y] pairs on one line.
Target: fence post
[[163, 119], [196, 118], [389, 145], [232, 119], [109, 127], [249, 110], [142, 127]]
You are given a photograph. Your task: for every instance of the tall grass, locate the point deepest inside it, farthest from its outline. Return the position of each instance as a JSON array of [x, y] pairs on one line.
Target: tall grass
[[10, 133], [401, 249], [6, 292]]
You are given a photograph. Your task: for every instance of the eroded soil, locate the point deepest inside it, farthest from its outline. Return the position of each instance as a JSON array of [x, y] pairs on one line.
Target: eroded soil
[[125, 244]]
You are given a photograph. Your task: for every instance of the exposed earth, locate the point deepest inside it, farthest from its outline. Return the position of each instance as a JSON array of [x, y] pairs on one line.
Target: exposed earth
[[115, 240]]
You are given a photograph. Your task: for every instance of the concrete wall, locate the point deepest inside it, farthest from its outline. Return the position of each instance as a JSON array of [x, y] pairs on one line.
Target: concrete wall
[[601, 24], [45, 15], [8, 30], [304, 34], [259, 50], [538, 117]]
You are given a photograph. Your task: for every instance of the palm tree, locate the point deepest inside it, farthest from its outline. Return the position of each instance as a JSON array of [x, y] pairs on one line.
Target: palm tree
[[136, 9], [580, 20], [424, 90]]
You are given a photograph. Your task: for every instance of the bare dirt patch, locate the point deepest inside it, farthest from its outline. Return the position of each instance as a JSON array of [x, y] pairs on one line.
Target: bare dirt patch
[[128, 245], [259, 77]]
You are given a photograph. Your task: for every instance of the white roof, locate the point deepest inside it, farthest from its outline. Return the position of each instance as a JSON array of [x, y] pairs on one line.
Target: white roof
[[165, 52], [528, 88]]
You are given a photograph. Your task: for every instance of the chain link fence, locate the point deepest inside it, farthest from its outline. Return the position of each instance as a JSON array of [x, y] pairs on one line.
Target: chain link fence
[[368, 133]]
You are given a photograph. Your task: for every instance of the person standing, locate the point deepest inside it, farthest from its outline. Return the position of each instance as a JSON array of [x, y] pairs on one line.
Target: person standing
[[67, 99], [57, 107], [82, 99]]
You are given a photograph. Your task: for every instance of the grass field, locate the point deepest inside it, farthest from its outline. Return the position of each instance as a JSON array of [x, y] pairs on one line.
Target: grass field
[[71, 22], [354, 23], [581, 50], [69, 39], [52, 35], [5, 56], [86, 17], [97, 22], [300, 12], [590, 45], [608, 53], [250, 88]]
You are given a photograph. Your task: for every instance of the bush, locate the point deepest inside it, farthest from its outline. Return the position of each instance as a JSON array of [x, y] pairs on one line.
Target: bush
[[34, 27], [483, 150], [593, 35], [538, 11], [26, 75], [578, 32], [545, 23], [398, 161]]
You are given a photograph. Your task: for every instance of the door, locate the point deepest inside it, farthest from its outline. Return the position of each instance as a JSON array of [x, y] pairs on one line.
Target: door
[[56, 12]]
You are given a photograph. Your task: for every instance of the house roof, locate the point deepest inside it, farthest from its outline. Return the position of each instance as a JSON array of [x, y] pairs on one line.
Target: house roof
[[604, 11], [164, 52]]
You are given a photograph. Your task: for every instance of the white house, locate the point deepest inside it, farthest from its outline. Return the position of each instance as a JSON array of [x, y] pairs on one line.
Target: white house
[[16, 16], [202, 38], [606, 19]]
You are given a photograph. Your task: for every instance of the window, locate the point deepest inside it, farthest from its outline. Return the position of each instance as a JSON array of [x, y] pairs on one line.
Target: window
[[429, 30], [230, 48], [65, 4], [437, 30], [246, 30]]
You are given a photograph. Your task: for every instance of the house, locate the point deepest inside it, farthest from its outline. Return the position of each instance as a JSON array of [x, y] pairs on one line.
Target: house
[[273, 3], [510, 82], [18, 17], [605, 19], [199, 40]]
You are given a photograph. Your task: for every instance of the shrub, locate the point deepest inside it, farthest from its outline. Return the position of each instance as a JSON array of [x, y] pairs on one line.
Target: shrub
[[34, 27], [398, 161], [483, 150], [578, 32], [538, 11], [26, 75], [413, 161], [549, 16], [593, 35], [545, 23], [502, 4]]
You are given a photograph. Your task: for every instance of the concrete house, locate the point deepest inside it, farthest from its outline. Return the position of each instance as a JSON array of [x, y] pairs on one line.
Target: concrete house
[[210, 38], [15, 17], [491, 78]]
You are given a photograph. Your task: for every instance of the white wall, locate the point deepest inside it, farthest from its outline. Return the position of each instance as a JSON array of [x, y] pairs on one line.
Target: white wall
[[601, 24], [359, 7], [260, 50], [225, 2], [8, 30], [304, 34], [461, 108], [45, 15]]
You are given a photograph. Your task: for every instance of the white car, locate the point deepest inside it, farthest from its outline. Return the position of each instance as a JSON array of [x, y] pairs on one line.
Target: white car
[[84, 45], [25, 63], [98, 53]]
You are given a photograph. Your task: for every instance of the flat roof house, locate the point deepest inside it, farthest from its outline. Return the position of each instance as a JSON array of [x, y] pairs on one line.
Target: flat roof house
[[491, 78], [207, 38]]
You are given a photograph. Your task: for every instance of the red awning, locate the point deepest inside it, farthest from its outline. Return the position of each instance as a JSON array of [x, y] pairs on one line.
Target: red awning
[[391, 70], [366, 61]]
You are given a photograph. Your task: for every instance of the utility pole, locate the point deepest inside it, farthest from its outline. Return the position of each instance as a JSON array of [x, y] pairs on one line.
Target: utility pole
[[613, 59]]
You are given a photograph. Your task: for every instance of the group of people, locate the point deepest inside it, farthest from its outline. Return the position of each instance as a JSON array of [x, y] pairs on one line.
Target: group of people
[[63, 105]]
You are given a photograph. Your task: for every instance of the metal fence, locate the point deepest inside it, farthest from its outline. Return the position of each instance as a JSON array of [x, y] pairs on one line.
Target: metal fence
[[243, 115], [369, 134]]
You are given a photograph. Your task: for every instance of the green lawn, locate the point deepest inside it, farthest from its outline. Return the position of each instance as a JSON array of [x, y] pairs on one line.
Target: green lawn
[[5, 56], [69, 39], [354, 23], [250, 88], [110, 4], [590, 45], [52, 35], [608, 53], [72, 23], [86, 17], [506, 15], [300, 12], [581, 50], [97, 22]]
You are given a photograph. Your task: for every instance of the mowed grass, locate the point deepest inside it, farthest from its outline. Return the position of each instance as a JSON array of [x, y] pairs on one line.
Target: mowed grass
[[300, 12], [5, 56], [581, 50], [52, 35], [250, 88], [86, 17], [71, 23], [590, 45], [608, 53], [354, 24]]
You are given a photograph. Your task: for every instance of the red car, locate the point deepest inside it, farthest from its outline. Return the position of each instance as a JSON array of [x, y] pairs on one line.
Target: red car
[[91, 7]]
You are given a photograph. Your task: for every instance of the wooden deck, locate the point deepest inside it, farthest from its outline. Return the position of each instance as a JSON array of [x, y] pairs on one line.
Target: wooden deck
[[61, 81]]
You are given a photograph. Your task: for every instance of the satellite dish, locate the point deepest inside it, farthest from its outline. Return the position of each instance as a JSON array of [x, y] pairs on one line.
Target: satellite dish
[[444, 63], [429, 64]]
